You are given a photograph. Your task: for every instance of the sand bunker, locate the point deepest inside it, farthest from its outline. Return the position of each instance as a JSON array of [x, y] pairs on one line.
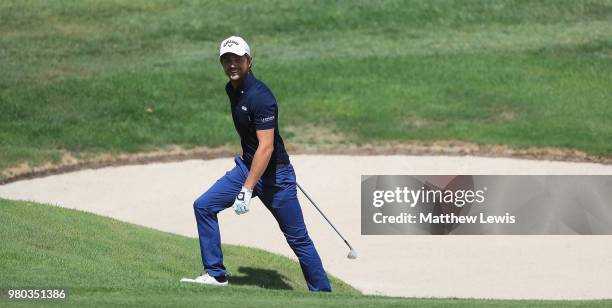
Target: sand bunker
[[160, 196]]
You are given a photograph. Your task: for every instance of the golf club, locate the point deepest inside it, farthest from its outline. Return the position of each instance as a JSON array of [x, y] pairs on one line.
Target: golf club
[[352, 253]]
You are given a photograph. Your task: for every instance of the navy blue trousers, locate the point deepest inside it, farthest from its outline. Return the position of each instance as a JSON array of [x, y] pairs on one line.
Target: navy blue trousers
[[278, 193]]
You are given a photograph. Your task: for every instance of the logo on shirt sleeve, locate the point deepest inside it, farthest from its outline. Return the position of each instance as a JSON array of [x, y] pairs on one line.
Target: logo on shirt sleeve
[[244, 108], [268, 119]]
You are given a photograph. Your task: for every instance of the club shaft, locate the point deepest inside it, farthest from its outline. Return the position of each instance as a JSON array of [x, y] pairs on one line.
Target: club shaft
[[322, 214]]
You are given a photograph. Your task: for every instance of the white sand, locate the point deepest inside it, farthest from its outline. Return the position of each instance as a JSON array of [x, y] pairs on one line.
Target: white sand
[[539, 267]]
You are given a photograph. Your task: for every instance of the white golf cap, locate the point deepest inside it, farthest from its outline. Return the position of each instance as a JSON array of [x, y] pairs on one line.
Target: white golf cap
[[235, 45]]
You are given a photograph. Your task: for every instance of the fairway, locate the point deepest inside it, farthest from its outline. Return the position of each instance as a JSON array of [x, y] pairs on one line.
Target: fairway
[[104, 261], [89, 77]]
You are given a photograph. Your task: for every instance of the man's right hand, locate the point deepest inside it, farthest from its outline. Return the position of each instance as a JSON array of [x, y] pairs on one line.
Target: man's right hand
[[243, 200]]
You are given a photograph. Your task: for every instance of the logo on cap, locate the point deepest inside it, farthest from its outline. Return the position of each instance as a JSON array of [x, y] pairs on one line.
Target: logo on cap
[[230, 43]]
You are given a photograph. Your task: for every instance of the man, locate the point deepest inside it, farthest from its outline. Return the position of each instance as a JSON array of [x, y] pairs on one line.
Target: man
[[263, 171]]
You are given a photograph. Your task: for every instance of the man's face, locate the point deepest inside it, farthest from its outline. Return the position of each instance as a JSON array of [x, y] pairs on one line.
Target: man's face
[[236, 67]]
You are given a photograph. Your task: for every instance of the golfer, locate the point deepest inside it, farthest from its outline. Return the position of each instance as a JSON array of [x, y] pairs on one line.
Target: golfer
[[263, 171]]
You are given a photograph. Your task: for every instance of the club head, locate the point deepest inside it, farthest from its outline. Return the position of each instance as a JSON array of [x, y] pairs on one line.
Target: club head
[[352, 254]]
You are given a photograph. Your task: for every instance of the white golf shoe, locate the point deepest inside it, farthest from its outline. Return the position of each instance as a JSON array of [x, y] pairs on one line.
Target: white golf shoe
[[206, 279]]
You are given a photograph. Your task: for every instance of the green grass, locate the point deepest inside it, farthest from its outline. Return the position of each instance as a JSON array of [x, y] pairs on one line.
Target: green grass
[[79, 76], [105, 262]]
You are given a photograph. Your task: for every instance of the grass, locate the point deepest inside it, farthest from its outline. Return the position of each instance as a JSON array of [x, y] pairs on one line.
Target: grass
[[130, 76], [105, 262]]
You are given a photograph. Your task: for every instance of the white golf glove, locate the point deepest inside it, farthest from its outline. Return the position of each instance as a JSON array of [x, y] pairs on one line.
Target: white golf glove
[[241, 204]]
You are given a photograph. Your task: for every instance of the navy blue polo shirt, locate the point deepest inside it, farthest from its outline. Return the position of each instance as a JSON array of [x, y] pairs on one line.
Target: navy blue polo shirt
[[254, 108]]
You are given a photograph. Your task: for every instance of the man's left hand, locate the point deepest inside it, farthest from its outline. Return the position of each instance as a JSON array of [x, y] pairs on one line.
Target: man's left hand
[[241, 204]]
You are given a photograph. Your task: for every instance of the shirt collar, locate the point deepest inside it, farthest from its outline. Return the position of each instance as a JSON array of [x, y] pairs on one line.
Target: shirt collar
[[248, 82]]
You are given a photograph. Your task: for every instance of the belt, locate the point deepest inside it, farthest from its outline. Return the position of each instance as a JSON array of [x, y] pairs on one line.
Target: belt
[[278, 165]]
